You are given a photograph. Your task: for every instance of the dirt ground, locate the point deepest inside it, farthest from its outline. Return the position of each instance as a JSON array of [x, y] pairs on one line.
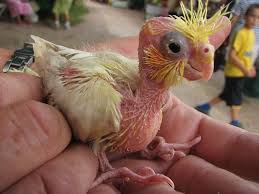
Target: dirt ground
[[103, 23]]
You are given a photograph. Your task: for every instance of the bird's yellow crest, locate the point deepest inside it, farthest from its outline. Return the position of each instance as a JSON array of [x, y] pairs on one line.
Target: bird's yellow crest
[[195, 25]]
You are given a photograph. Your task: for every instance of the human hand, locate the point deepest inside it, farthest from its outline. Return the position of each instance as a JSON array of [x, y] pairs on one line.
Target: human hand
[[46, 165], [216, 164], [35, 155], [250, 72]]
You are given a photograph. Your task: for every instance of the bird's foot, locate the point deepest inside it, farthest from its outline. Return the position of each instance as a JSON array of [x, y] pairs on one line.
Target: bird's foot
[[104, 162], [144, 176], [168, 151]]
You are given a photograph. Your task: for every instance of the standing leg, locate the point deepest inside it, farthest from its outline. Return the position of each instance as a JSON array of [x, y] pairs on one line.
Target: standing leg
[[57, 22], [235, 100], [215, 101], [19, 19], [205, 108], [67, 21], [234, 114], [104, 162]]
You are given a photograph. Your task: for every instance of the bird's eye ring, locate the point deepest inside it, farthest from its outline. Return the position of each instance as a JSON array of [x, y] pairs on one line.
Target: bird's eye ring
[[174, 47]]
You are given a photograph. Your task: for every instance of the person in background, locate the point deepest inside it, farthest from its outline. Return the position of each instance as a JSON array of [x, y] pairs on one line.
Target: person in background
[[238, 12], [62, 7], [220, 53], [251, 87], [21, 8], [238, 66]]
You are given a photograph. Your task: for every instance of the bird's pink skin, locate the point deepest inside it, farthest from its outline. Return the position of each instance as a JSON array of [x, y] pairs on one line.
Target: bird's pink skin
[[142, 113], [141, 116], [145, 109], [141, 120]]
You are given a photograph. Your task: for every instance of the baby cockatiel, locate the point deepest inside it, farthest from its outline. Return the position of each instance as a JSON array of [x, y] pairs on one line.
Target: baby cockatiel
[[116, 103]]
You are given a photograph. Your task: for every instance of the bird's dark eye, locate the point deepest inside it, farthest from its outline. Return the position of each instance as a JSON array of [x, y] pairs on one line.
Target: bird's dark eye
[[174, 47], [174, 44]]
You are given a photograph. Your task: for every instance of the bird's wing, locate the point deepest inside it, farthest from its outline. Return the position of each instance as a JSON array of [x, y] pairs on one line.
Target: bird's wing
[[83, 85], [123, 70]]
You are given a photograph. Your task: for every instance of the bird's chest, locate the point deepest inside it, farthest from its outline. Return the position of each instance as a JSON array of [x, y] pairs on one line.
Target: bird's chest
[[139, 125]]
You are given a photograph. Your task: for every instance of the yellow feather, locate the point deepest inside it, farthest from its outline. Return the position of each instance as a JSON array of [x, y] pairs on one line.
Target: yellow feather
[[195, 25], [83, 88], [169, 71]]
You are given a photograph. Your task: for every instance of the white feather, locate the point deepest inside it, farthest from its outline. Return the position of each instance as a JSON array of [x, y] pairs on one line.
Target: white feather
[[91, 102]]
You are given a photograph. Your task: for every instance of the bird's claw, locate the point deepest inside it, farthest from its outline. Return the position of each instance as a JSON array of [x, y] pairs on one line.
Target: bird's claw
[[168, 151], [151, 177], [145, 176]]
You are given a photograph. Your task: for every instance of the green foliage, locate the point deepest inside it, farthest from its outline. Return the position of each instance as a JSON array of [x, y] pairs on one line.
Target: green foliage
[[78, 10]]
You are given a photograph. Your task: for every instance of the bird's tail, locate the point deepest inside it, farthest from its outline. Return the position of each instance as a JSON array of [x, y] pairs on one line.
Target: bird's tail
[[41, 49], [40, 46], [27, 70]]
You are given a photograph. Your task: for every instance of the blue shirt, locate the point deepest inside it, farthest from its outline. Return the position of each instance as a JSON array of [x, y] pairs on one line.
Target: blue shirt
[[239, 9]]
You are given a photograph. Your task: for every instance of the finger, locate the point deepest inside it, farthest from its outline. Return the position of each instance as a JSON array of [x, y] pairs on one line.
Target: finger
[[18, 87], [180, 122], [193, 175], [73, 171], [31, 133], [221, 144], [229, 147], [159, 166], [103, 189], [150, 189]]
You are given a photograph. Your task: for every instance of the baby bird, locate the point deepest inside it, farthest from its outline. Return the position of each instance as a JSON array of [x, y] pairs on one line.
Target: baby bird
[[115, 103]]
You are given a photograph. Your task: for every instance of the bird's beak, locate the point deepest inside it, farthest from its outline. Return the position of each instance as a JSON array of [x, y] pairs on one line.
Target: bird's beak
[[215, 40], [202, 61], [207, 61]]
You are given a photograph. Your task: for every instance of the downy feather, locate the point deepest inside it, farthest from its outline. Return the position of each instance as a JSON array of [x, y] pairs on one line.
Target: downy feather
[[91, 82]]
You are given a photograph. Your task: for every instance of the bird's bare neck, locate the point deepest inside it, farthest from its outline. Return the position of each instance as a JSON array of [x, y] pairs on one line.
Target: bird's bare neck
[[149, 90], [152, 93]]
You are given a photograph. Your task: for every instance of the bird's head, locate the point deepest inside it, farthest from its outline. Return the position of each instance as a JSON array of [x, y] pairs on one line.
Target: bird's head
[[174, 47]]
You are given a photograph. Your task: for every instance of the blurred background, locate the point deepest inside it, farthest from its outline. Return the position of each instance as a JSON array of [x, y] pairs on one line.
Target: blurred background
[[76, 23]]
